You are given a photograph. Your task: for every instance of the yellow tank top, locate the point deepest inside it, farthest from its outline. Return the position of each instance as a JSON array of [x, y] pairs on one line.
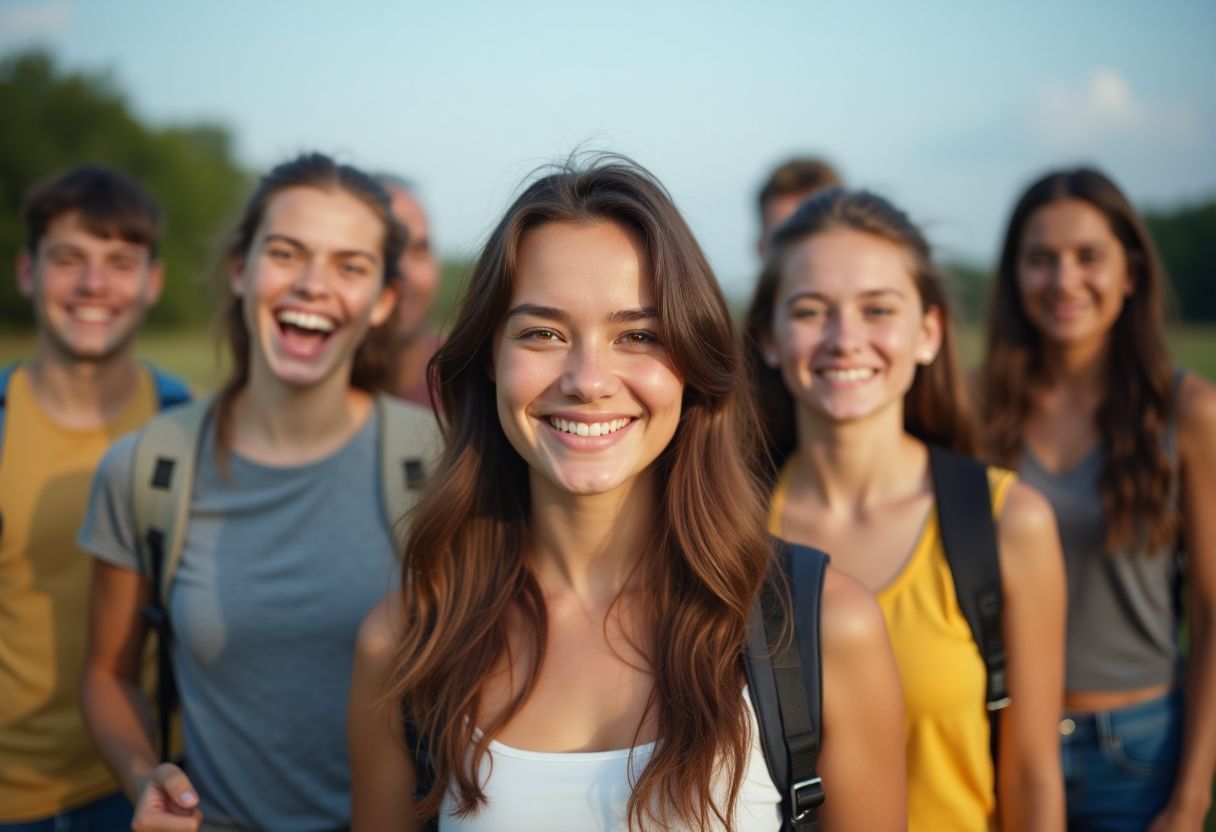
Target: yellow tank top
[[950, 773], [47, 761]]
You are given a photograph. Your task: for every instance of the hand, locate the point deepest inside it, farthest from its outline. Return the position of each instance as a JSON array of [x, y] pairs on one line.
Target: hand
[[1175, 818], [167, 802]]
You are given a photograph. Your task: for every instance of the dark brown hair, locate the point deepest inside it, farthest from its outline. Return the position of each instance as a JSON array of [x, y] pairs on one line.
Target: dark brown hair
[[110, 204], [936, 407], [1137, 480], [465, 555], [310, 170], [801, 175]]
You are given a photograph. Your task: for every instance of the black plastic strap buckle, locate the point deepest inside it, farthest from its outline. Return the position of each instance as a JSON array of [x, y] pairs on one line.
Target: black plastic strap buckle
[[805, 797]]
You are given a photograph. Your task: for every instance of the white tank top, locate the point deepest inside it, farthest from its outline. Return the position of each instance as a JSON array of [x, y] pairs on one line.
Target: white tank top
[[541, 791]]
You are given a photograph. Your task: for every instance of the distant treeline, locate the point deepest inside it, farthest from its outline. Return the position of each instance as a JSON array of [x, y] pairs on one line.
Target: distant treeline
[[54, 119]]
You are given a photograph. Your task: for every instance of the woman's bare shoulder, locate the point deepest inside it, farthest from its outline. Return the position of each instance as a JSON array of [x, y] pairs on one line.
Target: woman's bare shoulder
[[380, 632]]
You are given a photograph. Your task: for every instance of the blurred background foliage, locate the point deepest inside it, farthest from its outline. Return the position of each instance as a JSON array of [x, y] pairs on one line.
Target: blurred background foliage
[[54, 118]]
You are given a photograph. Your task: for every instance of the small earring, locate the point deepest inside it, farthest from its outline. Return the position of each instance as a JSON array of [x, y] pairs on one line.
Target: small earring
[[927, 358], [771, 360]]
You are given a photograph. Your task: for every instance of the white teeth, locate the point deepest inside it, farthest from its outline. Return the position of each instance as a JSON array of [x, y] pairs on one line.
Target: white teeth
[[588, 428], [92, 314], [306, 320], [848, 375]]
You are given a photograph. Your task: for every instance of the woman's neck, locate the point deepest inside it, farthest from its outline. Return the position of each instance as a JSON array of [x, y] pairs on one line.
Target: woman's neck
[[277, 424], [590, 545], [851, 466], [1078, 370]]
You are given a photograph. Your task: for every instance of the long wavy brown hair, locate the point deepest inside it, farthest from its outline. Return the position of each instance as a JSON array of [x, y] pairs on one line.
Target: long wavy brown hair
[[309, 170], [1137, 481], [466, 559], [937, 407]]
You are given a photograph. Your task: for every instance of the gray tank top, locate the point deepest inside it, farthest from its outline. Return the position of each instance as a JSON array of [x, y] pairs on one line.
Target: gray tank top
[[1122, 606]]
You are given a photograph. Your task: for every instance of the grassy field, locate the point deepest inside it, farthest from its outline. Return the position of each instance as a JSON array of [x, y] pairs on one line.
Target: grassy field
[[193, 354]]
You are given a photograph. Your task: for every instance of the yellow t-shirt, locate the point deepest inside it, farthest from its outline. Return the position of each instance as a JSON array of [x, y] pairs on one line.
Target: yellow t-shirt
[[47, 761], [950, 773]]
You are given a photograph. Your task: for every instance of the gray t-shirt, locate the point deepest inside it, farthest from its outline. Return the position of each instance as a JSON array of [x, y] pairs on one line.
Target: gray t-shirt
[[279, 567]]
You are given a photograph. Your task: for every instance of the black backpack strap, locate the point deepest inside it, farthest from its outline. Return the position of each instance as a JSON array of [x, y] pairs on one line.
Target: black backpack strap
[[156, 613], [969, 537], [786, 686]]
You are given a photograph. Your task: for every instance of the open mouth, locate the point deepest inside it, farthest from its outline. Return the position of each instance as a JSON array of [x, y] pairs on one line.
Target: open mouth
[[304, 331], [588, 428]]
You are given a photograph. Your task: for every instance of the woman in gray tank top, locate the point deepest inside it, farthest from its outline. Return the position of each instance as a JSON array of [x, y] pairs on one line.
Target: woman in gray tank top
[[1081, 397]]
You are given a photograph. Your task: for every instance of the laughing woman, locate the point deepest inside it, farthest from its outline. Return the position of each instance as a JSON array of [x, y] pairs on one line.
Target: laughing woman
[[286, 545], [569, 642], [855, 356], [1081, 396]]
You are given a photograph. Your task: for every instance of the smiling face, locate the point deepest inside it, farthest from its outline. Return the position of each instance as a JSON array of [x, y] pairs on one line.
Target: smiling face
[[90, 293], [1072, 273], [419, 268], [586, 393], [849, 327], [312, 284]]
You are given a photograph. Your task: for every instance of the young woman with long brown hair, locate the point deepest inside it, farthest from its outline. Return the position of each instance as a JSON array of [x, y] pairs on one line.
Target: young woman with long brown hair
[[854, 353], [570, 636], [287, 545], [1081, 396]]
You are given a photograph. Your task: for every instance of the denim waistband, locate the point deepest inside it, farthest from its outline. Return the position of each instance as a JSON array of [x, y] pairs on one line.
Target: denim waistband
[[1080, 725]]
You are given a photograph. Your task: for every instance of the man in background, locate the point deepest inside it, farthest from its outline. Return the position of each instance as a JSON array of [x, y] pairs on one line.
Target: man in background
[[90, 268], [413, 339], [787, 186]]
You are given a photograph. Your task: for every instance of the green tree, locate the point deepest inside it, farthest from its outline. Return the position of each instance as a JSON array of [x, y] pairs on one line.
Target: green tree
[[55, 119], [1186, 238]]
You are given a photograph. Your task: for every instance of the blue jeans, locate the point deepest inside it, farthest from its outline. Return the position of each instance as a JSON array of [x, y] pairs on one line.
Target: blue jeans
[[1120, 766], [106, 814]]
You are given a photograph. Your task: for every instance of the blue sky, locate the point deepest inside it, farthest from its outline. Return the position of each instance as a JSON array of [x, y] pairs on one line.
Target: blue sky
[[946, 107]]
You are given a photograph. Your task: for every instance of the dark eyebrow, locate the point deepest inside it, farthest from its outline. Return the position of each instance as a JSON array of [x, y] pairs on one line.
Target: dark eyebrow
[[299, 246], [624, 316], [872, 293]]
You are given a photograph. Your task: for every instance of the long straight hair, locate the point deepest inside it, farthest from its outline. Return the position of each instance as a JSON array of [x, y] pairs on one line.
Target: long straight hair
[[937, 407], [1136, 482], [465, 557], [310, 170]]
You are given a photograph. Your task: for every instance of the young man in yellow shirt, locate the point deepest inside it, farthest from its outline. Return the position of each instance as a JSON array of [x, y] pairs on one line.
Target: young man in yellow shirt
[[91, 270]]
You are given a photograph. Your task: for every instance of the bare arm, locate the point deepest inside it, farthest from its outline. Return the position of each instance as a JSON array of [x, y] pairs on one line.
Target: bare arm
[[1191, 798], [382, 771], [117, 712], [863, 764], [1030, 785]]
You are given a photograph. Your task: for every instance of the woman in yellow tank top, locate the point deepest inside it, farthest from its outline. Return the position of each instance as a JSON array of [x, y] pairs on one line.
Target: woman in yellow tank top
[[856, 371]]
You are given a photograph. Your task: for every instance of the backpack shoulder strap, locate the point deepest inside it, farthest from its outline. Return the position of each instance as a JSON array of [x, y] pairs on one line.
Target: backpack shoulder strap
[[969, 537], [171, 389], [165, 458], [410, 443], [785, 683], [6, 373]]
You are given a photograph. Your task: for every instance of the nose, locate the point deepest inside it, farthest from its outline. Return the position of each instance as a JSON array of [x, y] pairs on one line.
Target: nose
[[588, 374], [1065, 271], [842, 332], [311, 281], [92, 278]]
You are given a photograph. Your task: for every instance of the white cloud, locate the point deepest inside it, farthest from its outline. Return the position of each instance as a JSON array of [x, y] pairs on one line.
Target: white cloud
[[1104, 109], [49, 17]]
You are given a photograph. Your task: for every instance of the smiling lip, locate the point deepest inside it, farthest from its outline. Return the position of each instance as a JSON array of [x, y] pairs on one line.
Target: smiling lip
[[1065, 309], [585, 432], [846, 376], [91, 313]]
